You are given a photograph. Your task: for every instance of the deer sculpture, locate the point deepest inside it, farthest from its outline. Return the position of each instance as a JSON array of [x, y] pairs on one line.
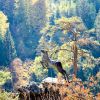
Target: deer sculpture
[[47, 62]]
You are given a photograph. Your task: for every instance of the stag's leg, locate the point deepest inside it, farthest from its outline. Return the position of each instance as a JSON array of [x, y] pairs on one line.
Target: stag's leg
[[42, 63], [65, 75], [62, 71]]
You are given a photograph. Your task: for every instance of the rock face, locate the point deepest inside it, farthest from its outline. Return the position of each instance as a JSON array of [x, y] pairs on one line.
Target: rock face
[[30, 92], [53, 80], [35, 93], [44, 91], [33, 87]]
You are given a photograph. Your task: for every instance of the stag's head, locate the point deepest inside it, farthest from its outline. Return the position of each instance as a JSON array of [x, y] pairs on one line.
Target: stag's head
[[45, 54], [44, 51]]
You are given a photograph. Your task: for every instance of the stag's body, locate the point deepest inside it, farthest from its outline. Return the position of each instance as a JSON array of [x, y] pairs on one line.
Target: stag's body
[[49, 63]]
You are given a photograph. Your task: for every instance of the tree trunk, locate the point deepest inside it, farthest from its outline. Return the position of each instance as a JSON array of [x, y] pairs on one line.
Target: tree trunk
[[75, 53], [75, 58]]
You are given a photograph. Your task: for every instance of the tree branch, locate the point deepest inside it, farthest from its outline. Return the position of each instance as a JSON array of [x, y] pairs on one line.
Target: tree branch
[[59, 50]]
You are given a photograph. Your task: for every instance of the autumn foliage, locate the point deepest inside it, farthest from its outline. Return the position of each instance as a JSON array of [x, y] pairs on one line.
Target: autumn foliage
[[78, 90]]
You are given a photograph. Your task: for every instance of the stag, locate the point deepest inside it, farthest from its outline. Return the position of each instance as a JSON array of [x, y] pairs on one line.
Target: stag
[[47, 62]]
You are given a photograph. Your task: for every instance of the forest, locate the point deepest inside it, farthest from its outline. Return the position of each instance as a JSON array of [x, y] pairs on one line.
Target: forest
[[57, 40]]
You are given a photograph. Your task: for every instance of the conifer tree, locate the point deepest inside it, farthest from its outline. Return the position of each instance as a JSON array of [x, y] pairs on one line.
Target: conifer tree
[[9, 47], [76, 31], [97, 26], [86, 10]]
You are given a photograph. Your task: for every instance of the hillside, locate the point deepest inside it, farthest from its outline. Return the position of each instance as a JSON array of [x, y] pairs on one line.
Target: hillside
[[50, 38]]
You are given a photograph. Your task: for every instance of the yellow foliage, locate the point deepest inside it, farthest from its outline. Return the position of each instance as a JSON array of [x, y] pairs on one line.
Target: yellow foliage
[[38, 69], [65, 56], [75, 90], [68, 24], [3, 24], [67, 21], [8, 95], [4, 76], [34, 1]]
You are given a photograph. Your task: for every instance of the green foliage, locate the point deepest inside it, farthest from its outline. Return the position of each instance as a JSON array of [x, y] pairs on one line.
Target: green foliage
[[69, 24], [62, 8], [7, 48], [3, 25], [20, 73], [28, 21], [7, 96], [75, 28], [65, 56], [97, 26], [22, 20], [38, 69], [4, 76], [27, 17], [86, 10]]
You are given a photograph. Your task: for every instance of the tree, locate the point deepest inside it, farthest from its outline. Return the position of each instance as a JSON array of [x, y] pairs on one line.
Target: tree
[[97, 5], [7, 7], [7, 49], [75, 28], [87, 12], [3, 29], [3, 24], [97, 26], [38, 70], [20, 75], [73, 25], [58, 8], [4, 76], [27, 23]]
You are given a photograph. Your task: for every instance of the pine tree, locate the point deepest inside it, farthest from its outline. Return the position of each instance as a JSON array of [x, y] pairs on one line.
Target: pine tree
[[97, 4], [27, 23], [97, 26], [74, 28], [7, 7], [9, 47], [3, 29], [2, 53], [86, 10], [66, 8]]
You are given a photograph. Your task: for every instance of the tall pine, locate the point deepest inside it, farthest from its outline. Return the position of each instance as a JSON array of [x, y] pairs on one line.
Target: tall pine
[[9, 47]]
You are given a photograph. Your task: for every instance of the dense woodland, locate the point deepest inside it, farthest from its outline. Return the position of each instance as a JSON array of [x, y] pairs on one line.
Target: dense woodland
[[69, 30]]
